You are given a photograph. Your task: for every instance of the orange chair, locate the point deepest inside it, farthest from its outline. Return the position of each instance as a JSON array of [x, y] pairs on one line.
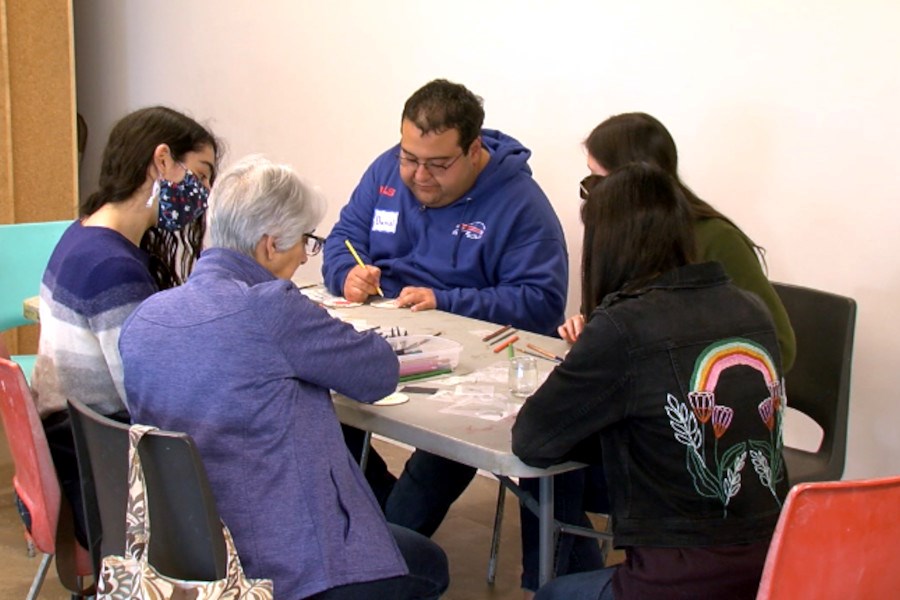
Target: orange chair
[[835, 539], [36, 486]]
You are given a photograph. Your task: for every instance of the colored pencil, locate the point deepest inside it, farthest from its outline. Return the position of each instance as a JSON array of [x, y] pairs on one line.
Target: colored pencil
[[547, 354], [508, 342], [496, 333], [360, 263], [433, 373], [502, 337], [415, 345], [538, 355]]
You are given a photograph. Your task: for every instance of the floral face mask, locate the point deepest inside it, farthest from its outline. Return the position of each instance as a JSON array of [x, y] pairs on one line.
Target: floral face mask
[[181, 203]]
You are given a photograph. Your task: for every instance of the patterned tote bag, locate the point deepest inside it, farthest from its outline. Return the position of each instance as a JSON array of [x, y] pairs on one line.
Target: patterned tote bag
[[131, 576]]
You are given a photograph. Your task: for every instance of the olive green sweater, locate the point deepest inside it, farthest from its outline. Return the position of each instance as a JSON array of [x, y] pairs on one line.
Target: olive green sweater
[[721, 241]]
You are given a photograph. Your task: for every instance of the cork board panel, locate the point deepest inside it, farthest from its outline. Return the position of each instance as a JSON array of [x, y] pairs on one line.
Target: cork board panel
[[38, 129], [7, 338], [6, 188], [42, 109]]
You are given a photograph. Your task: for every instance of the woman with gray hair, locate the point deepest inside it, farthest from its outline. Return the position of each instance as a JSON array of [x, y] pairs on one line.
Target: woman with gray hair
[[257, 200], [243, 362]]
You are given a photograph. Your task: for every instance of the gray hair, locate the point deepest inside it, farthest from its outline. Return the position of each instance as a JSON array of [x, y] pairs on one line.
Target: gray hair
[[254, 197]]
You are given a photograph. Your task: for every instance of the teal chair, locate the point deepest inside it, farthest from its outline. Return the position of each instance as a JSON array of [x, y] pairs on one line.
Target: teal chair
[[25, 249]]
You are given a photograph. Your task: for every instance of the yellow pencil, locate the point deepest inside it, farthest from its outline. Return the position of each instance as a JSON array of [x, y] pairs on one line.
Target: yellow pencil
[[360, 262]]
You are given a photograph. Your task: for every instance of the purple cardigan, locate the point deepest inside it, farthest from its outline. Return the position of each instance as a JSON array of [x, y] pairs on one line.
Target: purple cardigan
[[243, 362]]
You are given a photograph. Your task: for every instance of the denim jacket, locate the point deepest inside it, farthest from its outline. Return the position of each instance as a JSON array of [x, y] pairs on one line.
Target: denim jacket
[[678, 389]]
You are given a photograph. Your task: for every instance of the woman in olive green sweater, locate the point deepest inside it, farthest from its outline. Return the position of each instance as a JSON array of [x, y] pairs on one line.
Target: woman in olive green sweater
[[638, 137], [614, 143]]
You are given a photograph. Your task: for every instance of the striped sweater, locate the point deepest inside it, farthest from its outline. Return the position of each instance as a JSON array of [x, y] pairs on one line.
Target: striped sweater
[[95, 278]]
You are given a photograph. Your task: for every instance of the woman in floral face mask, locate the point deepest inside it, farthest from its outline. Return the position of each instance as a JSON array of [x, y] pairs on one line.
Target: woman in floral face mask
[[139, 233]]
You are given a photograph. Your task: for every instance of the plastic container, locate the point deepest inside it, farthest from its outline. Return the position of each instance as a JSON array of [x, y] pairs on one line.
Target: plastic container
[[423, 353]]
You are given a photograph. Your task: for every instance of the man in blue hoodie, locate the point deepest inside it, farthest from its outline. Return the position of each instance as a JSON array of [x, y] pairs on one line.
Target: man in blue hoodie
[[450, 218]]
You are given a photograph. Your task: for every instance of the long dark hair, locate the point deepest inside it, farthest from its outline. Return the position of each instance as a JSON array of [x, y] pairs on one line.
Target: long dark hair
[[639, 137], [123, 170], [637, 225]]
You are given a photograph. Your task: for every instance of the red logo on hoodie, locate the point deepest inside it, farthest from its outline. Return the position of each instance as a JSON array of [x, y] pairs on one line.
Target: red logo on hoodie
[[387, 191]]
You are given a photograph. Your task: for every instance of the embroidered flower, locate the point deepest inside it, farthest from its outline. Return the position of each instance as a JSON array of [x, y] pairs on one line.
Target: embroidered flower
[[775, 391], [767, 412], [702, 403], [721, 419]]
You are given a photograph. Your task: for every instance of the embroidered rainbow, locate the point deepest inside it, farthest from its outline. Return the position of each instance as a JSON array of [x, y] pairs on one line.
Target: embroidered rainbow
[[731, 353]]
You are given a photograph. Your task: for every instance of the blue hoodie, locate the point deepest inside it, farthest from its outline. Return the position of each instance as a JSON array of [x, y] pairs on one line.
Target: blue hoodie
[[507, 265]]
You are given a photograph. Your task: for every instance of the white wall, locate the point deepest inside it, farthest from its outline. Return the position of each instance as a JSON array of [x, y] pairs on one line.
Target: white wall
[[785, 116]]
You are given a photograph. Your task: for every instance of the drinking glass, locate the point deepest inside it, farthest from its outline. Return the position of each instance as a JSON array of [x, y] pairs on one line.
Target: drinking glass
[[523, 376]]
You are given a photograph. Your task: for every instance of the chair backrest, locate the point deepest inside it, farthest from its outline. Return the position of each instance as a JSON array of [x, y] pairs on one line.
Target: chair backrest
[[819, 383], [25, 250], [186, 539], [835, 539], [35, 479]]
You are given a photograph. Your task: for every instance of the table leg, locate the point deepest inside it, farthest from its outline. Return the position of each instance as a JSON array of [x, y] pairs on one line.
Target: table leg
[[495, 538], [546, 531]]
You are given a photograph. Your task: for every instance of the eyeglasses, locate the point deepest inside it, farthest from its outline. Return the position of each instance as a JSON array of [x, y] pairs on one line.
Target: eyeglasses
[[313, 243], [432, 167], [588, 184]]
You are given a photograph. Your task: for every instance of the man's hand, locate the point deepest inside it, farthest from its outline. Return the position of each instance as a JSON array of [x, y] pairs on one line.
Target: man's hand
[[417, 298], [571, 329], [362, 282]]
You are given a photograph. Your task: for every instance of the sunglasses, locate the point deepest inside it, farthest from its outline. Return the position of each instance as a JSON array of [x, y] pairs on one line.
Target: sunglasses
[[588, 184]]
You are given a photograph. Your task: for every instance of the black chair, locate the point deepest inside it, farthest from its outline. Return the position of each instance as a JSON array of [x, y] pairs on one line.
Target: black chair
[[817, 386], [819, 383], [186, 539]]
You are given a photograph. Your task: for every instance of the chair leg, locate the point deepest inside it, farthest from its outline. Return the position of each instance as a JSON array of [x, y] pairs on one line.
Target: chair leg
[[39, 577], [79, 581], [364, 455], [495, 538]]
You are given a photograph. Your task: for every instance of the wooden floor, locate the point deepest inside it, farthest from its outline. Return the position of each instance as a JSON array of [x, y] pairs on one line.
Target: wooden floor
[[465, 535]]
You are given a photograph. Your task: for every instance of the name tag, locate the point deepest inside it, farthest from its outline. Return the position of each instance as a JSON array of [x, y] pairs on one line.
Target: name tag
[[385, 221]]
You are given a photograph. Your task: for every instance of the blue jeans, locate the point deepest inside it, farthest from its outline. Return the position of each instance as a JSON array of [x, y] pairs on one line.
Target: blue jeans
[[380, 479], [574, 553], [427, 487], [420, 499], [428, 573], [593, 585]]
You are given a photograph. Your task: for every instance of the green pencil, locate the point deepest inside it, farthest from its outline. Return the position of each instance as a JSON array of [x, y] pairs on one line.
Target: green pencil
[[433, 373]]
